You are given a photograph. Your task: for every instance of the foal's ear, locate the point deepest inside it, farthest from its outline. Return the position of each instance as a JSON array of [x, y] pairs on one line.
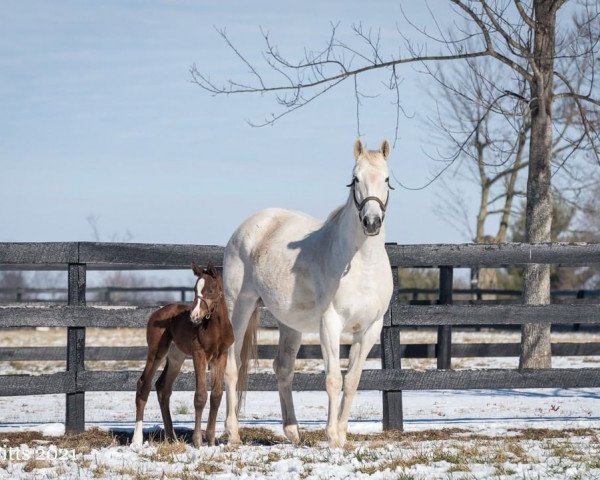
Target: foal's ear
[[211, 270], [358, 148], [385, 149], [196, 269]]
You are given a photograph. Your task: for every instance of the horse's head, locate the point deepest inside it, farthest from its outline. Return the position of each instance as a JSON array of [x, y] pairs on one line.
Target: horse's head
[[370, 186], [208, 292]]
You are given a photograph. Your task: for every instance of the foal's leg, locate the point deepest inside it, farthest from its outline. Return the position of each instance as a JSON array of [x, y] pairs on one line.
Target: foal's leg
[[361, 346], [200, 364], [164, 388], [242, 311], [289, 343], [330, 332], [158, 346], [217, 371]]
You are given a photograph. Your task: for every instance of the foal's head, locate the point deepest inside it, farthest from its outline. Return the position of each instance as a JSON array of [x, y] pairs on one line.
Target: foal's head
[[370, 186], [208, 293]]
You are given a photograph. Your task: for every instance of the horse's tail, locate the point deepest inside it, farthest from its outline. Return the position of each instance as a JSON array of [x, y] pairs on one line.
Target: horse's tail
[[249, 350]]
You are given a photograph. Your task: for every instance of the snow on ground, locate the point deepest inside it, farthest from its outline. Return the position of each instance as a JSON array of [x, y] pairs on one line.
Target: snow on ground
[[478, 434]]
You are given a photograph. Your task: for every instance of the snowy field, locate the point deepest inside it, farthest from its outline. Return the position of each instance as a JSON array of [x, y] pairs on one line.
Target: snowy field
[[524, 434]]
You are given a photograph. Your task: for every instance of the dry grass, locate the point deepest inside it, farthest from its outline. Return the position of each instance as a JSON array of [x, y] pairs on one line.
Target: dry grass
[[260, 436], [36, 463], [166, 451], [80, 442]]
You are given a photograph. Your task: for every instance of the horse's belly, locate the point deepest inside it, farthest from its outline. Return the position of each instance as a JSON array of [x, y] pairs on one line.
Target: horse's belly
[[292, 303]]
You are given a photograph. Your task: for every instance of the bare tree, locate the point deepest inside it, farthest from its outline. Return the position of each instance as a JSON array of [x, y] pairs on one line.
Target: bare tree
[[519, 36], [494, 158]]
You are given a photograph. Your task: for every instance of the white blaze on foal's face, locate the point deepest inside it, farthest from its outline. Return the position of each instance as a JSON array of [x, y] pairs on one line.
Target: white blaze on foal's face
[[196, 314]]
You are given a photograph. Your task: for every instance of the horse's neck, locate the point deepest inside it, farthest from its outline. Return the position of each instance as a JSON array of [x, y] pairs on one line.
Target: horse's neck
[[347, 239]]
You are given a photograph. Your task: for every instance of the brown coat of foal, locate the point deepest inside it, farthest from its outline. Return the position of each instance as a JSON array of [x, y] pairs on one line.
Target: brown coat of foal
[[177, 331]]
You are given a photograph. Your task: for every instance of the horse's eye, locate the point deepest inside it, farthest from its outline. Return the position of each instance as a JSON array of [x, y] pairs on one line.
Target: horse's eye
[[354, 180], [387, 180]]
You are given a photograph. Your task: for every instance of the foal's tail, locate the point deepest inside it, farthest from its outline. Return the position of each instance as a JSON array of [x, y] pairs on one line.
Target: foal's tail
[[249, 350]]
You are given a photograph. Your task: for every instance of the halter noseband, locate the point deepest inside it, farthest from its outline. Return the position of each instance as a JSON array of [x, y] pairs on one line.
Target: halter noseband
[[360, 205], [214, 305]]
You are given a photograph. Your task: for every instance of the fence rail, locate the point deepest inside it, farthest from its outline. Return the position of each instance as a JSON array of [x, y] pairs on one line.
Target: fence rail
[[78, 257]]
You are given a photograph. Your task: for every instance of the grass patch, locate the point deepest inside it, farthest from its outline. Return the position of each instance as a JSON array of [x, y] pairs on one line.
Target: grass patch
[[166, 451], [36, 463], [81, 442], [418, 458], [181, 409], [260, 436]]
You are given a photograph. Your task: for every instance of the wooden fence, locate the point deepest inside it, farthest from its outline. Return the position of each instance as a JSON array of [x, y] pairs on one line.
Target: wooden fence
[[78, 257]]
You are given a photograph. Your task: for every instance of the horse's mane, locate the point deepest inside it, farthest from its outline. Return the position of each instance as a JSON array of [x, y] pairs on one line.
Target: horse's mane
[[336, 213]]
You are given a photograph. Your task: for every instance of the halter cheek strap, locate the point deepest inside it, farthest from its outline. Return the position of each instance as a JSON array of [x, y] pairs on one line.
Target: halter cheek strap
[[360, 205], [214, 305]]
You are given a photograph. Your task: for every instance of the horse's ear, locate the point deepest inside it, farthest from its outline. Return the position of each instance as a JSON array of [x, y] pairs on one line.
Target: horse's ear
[[211, 270], [196, 269], [385, 149], [358, 148]]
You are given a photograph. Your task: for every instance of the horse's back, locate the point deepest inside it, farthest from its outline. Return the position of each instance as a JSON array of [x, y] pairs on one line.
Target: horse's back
[[265, 237], [258, 258], [164, 315]]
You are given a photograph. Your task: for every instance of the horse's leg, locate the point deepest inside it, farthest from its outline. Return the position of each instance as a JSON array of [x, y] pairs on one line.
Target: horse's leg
[[157, 349], [200, 364], [164, 388], [217, 371], [289, 343], [330, 332], [243, 309], [361, 346]]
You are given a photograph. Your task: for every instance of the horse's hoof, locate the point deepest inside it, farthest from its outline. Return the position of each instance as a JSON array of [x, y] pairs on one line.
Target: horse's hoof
[[234, 440], [292, 434], [335, 441]]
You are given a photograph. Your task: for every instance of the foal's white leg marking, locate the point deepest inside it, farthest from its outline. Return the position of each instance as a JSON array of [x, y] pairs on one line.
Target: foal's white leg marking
[[196, 310], [330, 332], [138, 434], [289, 344], [361, 346]]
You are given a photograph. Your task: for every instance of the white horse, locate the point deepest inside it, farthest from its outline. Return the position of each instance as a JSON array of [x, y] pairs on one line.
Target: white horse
[[330, 278]]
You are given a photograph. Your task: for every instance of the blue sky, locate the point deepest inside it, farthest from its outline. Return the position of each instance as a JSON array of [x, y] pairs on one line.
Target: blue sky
[[99, 117]]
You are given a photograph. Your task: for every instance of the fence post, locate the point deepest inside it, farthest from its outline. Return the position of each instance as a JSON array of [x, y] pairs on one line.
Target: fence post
[[182, 295], [75, 401], [391, 359], [444, 340]]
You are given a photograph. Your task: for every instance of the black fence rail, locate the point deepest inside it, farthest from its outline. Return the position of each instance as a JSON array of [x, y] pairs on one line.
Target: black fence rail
[[78, 257], [106, 295]]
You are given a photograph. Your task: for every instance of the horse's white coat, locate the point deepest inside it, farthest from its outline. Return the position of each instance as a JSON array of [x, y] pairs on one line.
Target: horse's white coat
[[326, 277]]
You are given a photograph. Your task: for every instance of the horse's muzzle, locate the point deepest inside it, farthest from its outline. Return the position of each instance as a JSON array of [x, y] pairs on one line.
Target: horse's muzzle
[[371, 225]]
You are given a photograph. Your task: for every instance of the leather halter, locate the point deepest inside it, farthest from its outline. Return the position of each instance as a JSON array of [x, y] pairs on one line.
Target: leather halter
[[215, 303], [360, 205]]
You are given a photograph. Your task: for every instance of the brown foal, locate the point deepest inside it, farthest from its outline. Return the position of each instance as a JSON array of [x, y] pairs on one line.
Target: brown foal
[[201, 331]]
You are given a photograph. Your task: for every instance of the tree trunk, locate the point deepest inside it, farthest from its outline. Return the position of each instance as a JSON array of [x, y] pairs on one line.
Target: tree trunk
[[535, 339]]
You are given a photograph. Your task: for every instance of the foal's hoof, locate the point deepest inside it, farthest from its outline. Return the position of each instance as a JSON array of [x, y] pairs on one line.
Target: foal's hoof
[[292, 434]]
